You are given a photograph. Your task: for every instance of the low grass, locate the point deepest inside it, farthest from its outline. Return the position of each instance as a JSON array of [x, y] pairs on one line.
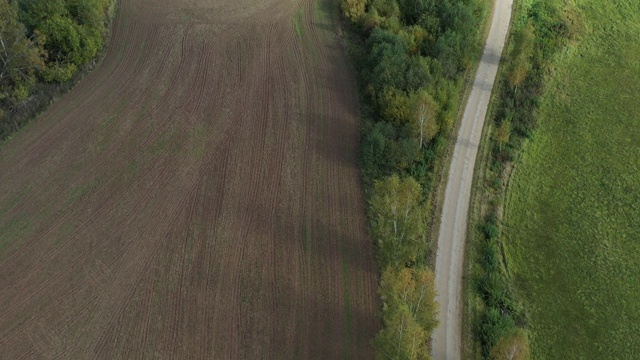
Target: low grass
[[571, 227]]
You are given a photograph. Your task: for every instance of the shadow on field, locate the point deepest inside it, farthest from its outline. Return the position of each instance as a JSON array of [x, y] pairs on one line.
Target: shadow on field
[[323, 278], [334, 121]]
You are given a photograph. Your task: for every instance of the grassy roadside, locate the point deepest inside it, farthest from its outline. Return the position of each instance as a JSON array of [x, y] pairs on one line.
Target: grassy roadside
[[496, 318], [567, 243]]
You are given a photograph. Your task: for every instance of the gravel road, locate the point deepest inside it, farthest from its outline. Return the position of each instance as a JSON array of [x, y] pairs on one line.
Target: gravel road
[[453, 226]]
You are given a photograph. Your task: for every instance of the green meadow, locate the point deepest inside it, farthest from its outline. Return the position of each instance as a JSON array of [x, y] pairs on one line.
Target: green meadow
[[572, 215]]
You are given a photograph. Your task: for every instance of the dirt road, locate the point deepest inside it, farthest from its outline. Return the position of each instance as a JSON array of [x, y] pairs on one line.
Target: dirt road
[[453, 227]]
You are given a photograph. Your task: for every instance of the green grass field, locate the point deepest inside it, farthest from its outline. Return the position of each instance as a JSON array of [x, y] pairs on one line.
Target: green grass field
[[572, 224]]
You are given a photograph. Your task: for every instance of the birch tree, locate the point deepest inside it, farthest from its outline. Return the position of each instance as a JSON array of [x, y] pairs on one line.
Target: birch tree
[[398, 220], [413, 288], [423, 119], [514, 346], [409, 313], [401, 337]]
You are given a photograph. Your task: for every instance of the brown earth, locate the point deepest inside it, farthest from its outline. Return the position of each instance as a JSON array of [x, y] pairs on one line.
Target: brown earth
[[196, 196]]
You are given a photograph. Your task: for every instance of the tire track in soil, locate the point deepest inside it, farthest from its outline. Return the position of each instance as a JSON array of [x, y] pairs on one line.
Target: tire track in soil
[[323, 118], [57, 105], [281, 150], [131, 290], [219, 150], [51, 282], [129, 218], [54, 227], [198, 89], [86, 103], [134, 106], [141, 148]]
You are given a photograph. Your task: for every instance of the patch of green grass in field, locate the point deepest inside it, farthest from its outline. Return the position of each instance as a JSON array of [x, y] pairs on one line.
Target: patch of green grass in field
[[77, 192], [572, 225], [105, 136], [298, 23], [166, 142]]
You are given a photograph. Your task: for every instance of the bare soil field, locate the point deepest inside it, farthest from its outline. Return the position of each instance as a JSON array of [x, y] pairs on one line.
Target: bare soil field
[[196, 196]]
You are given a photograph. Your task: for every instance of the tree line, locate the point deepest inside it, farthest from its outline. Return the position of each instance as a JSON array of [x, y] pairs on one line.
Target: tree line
[[411, 57], [45, 41]]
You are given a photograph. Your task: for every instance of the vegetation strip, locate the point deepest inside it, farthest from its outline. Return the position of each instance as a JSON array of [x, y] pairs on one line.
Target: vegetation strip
[[412, 57], [499, 320]]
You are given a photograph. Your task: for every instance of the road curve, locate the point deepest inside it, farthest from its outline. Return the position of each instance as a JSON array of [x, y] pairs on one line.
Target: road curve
[[453, 226]]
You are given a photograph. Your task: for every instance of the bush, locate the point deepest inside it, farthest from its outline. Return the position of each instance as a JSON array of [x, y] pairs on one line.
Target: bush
[[494, 324], [490, 228]]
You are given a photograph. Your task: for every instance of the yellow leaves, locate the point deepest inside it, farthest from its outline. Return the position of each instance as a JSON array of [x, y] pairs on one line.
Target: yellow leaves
[[354, 9], [413, 287], [409, 313]]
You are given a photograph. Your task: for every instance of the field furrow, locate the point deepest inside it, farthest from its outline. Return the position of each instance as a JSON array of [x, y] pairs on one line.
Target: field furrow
[[196, 196]]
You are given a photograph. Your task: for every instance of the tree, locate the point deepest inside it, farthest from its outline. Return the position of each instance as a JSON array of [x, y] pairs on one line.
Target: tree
[[514, 346], [62, 39], [450, 52], [446, 95], [71, 30], [412, 10], [503, 133], [354, 9], [386, 8], [386, 61], [413, 288], [423, 119], [398, 220], [394, 105], [409, 313], [401, 338], [35, 12], [494, 325], [20, 57]]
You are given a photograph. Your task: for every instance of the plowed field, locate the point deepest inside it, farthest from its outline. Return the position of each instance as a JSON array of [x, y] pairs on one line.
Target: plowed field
[[196, 196]]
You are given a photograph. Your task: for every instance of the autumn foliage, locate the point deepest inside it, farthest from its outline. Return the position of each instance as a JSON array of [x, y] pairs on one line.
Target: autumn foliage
[[409, 313]]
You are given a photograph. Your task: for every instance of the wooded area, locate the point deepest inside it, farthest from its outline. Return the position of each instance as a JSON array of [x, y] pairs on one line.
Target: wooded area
[[44, 41]]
